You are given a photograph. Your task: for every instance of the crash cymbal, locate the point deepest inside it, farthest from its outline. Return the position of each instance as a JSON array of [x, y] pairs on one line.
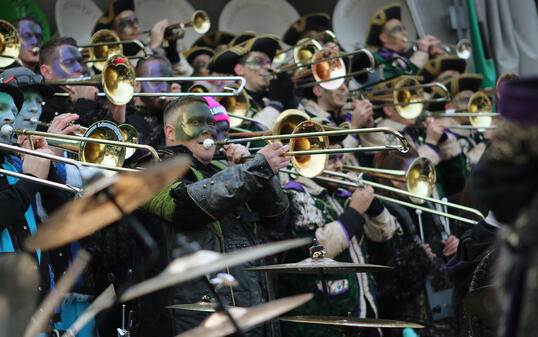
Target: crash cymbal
[[103, 301], [481, 303], [19, 280], [198, 306], [218, 324], [94, 210], [203, 262], [351, 322], [314, 265]]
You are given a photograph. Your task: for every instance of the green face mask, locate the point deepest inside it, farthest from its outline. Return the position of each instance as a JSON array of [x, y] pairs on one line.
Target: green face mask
[[8, 111], [195, 121]]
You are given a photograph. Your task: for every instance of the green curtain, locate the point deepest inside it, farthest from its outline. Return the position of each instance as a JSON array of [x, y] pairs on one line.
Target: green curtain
[[483, 66], [14, 9]]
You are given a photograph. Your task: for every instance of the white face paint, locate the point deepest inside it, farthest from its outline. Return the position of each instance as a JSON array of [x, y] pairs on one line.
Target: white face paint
[[31, 110], [8, 111]]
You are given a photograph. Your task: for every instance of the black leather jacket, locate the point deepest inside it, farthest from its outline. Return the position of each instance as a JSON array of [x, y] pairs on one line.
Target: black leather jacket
[[242, 198]]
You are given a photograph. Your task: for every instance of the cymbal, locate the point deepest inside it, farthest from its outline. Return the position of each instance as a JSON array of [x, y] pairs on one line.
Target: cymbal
[[480, 302], [19, 280], [94, 211], [203, 262], [315, 265], [198, 306], [351, 322], [218, 324]]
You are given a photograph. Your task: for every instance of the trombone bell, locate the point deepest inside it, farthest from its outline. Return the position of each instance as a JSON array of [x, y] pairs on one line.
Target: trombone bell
[[479, 103], [408, 100], [102, 52], [10, 44], [332, 68], [309, 165], [236, 105]]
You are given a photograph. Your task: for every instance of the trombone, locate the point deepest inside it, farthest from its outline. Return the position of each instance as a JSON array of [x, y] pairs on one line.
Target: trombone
[[10, 44], [200, 22], [102, 145]]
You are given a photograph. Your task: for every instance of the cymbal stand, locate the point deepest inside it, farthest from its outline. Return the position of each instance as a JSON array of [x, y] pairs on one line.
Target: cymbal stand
[[317, 252]]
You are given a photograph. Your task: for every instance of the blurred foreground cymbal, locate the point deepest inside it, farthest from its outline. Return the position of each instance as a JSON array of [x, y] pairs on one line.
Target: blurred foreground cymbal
[[218, 324], [203, 262], [315, 265], [198, 306], [351, 322], [94, 210]]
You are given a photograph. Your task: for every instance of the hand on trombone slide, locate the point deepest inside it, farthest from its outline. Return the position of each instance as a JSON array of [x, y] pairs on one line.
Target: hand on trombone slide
[[36, 166]]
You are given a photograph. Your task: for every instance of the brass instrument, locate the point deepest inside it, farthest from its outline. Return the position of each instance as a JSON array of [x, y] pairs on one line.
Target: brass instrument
[[303, 52], [105, 43], [407, 96], [102, 145], [479, 111], [10, 44], [200, 22], [463, 49], [237, 106]]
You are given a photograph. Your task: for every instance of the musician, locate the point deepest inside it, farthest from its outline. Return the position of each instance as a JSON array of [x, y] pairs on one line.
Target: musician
[[217, 206], [268, 95], [120, 16], [199, 59], [505, 181], [307, 26], [386, 32], [416, 284], [472, 142], [61, 59], [442, 68], [434, 143], [216, 40], [343, 222], [31, 34]]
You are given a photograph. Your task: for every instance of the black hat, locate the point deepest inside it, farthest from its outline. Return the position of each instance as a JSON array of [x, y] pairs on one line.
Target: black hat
[[378, 20], [224, 61], [191, 54], [14, 92], [316, 21], [24, 78], [455, 85], [437, 65], [267, 44], [213, 39], [244, 36], [114, 8]]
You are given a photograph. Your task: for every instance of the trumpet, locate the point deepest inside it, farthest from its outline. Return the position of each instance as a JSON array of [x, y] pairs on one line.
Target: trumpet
[[304, 49], [105, 43], [200, 22], [102, 144], [10, 44], [463, 49]]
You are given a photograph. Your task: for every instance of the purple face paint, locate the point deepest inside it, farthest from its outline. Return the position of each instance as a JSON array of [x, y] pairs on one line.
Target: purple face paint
[[127, 21], [68, 62], [31, 34], [157, 69]]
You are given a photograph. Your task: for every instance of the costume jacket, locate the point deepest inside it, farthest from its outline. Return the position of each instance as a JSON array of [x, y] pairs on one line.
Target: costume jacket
[[342, 231], [223, 209], [394, 69]]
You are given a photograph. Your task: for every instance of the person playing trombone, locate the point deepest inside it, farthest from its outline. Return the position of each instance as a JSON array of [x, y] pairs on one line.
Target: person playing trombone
[[31, 34], [344, 222]]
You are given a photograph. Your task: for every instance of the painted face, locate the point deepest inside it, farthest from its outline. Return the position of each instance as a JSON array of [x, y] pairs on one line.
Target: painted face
[[127, 26], [222, 129], [195, 121], [8, 111], [200, 64], [31, 110], [67, 63], [256, 71], [157, 69], [396, 35], [31, 36]]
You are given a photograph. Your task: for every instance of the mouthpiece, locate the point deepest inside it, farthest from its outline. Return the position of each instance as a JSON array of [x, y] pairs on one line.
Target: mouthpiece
[[208, 142], [6, 130], [35, 50]]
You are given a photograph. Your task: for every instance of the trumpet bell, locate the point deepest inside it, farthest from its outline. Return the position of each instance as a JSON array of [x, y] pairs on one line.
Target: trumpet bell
[[10, 44], [200, 21], [237, 105], [102, 154], [287, 121], [329, 69], [464, 49], [420, 179], [118, 79], [478, 103], [102, 52], [313, 165]]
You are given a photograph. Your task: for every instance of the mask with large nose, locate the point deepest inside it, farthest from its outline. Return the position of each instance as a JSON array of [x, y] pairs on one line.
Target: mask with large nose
[[8, 111], [31, 110]]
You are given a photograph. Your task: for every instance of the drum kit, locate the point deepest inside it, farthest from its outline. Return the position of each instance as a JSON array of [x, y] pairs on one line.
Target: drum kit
[[106, 200]]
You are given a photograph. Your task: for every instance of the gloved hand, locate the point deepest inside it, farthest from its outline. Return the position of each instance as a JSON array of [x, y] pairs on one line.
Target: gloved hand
[[171, 51], [281, 89]]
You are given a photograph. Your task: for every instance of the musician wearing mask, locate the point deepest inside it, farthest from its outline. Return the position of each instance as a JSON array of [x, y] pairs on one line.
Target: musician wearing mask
[[387, 33], [61, 59], [268, 95], [120, 17], [31, 35], [442, 68], [306, 26], [432, 142], [343, 222], [199, 59], [222, 208]]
